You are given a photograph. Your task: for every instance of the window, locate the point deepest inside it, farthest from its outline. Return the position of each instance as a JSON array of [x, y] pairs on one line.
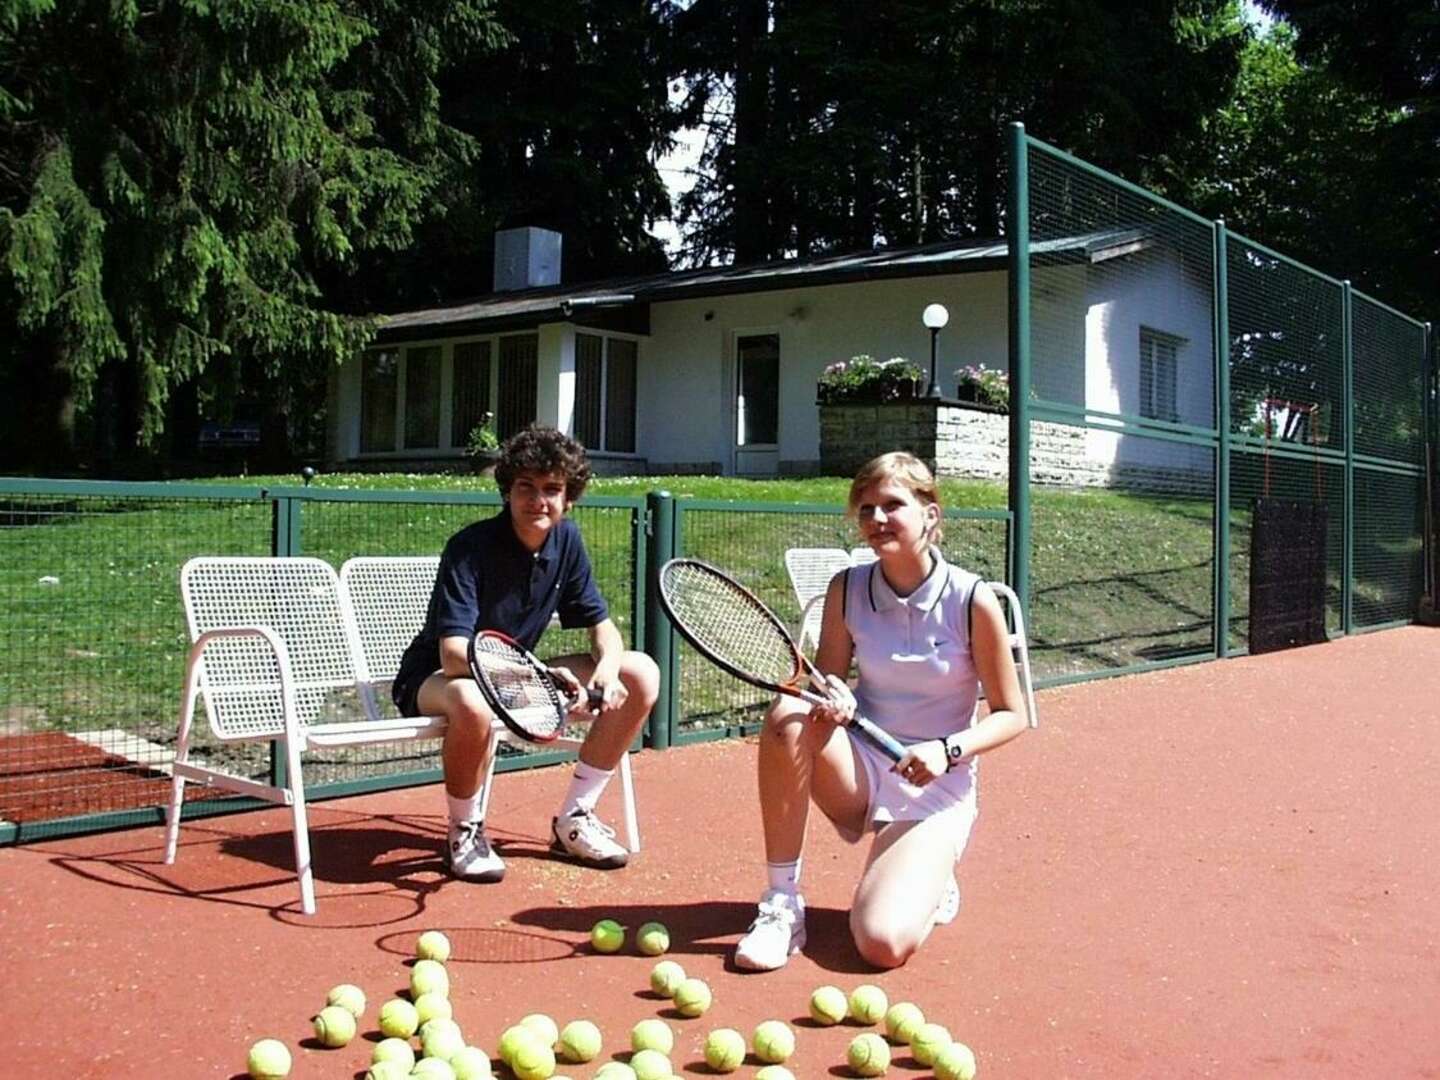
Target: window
[[379, 378], [758, 390], [1158, 356], [422, 398], [470, 393], [605, 373], [517, 389]]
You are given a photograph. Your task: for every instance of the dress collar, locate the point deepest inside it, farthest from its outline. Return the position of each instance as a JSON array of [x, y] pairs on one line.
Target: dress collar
[[925, 596]]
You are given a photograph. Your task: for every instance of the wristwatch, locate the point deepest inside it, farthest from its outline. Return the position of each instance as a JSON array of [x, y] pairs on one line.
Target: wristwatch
[[953, 751]]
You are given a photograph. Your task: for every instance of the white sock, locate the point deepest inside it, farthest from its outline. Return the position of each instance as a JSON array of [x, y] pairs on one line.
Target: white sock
[[464, 809], [586, 787], [784, 876]]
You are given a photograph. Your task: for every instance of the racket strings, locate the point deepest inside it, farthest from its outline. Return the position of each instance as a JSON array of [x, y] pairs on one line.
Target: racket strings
[[728, 623], [528, 694]]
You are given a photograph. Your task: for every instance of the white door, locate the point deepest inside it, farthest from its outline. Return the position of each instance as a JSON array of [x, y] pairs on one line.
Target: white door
[[757, 404]]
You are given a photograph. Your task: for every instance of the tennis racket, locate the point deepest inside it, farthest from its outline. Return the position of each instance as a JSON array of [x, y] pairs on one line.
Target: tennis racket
[[732, 628], [525, 694]]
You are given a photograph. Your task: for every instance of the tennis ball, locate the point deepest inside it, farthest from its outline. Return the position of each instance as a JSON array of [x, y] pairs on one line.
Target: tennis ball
[[513, 1037], [580, 1041], [269, 1060], [869, 1055], [471, 1063], [432, 1006], [928, 1041], [649, 1065], [615, 1070], [396, 1050], [774, 1041], [348, 997], [607, 935], [428, 977], [653, 939], [543, 1026], [532, 1060], [652, 1035], [828, 1005], [774, 1072], [868, 1003], [387, 1070], [903, 1019], [692, 997], [398, 1019], [955, 1062], [724, 1050], [665, 977], [334, 1026], [432, 945], [441, 1039], [433, 1068]]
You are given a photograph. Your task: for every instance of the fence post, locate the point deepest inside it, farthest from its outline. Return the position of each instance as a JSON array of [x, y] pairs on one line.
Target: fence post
[[659, 639], [1347, 558], [1017, 228], [1222, 446]]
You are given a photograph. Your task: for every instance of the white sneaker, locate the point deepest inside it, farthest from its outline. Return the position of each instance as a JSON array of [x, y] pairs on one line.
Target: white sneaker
[[586, 838], [949, 905], [470, 856], [777, 933]]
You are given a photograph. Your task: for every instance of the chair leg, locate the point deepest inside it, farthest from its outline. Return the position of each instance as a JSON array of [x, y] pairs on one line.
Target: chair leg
[[627, 793], [300, 828], [177, 782], [486, 784]]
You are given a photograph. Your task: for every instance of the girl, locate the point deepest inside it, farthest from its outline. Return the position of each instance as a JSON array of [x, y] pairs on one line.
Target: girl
[[925, 637]]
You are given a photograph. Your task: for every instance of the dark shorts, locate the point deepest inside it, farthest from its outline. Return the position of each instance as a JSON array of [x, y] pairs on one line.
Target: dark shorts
[[406, 694]]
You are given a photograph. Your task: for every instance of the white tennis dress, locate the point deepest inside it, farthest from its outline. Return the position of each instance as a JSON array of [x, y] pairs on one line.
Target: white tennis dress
[[918, 682]]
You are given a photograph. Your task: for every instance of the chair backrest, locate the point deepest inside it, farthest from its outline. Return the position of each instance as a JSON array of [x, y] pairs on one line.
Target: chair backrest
[[299, 600], [810, 571], [388, 598], [863, 554]]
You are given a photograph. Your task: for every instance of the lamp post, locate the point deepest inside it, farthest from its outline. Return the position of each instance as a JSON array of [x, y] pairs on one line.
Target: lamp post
[[934, 317]]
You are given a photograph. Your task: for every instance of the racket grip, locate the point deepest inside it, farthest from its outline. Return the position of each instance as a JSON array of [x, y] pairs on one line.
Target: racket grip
[[882, 740]]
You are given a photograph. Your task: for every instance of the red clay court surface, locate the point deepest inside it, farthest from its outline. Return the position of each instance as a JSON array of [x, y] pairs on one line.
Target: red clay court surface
[[1225, 870]]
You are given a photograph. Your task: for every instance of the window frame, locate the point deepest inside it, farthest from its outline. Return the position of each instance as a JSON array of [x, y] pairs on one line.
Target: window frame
[[605, 416], [1151, 343]]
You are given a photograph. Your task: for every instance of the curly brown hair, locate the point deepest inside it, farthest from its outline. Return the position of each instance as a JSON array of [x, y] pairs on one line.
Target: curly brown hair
[[540, 449]]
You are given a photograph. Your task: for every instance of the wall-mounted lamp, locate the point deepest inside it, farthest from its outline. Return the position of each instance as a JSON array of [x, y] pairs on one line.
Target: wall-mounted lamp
[[799, 313], [570, 303], [709, 316], [934, 317]]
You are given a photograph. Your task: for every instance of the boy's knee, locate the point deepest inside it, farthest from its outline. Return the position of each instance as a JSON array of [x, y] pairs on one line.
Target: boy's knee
[[643, 676]]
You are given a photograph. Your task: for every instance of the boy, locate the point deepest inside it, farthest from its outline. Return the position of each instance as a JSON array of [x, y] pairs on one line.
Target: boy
[[512, 573]]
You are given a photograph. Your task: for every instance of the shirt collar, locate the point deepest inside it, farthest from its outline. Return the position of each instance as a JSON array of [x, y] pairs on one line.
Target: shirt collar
[[548, 547], [925, 596]]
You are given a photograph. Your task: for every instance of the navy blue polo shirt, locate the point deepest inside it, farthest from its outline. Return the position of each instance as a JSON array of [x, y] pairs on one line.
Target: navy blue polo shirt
[[489, 580]]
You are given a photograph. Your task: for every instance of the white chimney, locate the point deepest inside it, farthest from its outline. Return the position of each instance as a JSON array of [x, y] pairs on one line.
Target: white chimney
[[525, 258]]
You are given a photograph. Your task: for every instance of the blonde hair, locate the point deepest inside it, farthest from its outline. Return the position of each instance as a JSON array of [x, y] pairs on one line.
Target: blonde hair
[[904, 468]]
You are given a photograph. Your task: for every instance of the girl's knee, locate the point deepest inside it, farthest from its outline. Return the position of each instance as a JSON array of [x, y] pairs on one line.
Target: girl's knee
[[881, 944], [785, 721]]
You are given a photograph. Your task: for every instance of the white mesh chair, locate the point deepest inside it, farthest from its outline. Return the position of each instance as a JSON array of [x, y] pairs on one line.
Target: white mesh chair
[[271, 648], [810, 571], [387, 599], [863, 554], [1019, 645]]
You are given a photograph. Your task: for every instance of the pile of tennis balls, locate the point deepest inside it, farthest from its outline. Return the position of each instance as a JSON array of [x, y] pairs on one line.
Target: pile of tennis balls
[[869, 1054]]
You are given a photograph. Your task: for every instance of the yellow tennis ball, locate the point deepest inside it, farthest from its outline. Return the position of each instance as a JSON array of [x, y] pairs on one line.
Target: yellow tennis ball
[[433, 1068], [396, 1050], [653, 939], [774, 1041], [649, 1065], [829, 1005], [955, 1062], [348, 997], [665, 977], [615, 1070], [429, 977], [532, 1060], [441, 1039], [432, 1006], [903, 1019], [607, 936], [334, 1026], [692, 997], [387, 1070], [652, 1034], [869, 1055], [580, 1041], [398, 1019], [774, 1072], [512, 1037], [543, 1026], [269, 1060], [928, 1041], [471, 1063], [868, 1003], [724, 1050], [432, 945]]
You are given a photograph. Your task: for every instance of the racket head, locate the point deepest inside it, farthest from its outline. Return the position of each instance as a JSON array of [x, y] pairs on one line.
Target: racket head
[[518, 688], [730, 626]]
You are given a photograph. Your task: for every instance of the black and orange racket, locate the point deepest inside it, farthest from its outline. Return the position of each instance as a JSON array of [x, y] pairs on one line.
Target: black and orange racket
[[732, 628], [528, 697]]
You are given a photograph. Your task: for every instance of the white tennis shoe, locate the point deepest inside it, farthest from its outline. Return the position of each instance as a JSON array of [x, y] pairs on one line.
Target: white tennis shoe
[[585, 838], [777, 933], [470, 855]]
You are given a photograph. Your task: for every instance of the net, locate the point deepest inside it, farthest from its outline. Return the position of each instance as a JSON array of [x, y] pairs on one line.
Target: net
[[725, 621]]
